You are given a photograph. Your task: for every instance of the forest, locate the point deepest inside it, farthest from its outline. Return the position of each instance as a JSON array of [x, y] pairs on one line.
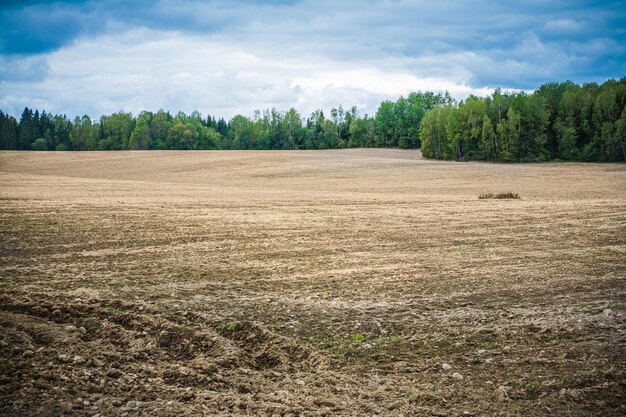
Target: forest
[[558, 121]]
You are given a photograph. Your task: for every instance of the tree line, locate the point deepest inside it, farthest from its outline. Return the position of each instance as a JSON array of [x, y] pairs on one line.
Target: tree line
[[557, 121], [396, 124]]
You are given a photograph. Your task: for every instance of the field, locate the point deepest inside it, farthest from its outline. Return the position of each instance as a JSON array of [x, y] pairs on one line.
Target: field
[[347, 282]]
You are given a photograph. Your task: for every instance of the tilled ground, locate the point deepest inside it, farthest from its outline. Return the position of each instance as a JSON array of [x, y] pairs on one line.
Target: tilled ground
[[361, 282]]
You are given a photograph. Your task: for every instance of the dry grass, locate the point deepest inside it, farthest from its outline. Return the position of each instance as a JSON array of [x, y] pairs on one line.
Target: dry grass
[[322, 282], [499, 196]]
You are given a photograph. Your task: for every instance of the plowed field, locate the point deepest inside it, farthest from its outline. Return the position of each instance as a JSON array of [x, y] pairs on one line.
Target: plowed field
[[348, 282]]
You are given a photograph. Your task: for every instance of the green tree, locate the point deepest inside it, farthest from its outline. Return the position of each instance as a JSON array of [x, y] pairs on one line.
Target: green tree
[[433, 136], [160, 126], [455, 131], [328, 138], [508, 131], [360, 129], [567, 143], [385, 124], [241, 133], [116, 130], [620, 136], [473, 109], [292, 127], [27, 129], [39, 145], [180, 137], [82, 133], [488, 140], [8, 131], [141, 138], [209, 138]]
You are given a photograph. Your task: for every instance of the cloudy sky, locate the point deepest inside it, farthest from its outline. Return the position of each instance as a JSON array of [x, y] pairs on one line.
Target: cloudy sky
[[228, 57]]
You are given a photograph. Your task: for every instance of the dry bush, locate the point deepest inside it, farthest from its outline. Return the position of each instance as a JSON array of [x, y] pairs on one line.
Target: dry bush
[[500, 196]]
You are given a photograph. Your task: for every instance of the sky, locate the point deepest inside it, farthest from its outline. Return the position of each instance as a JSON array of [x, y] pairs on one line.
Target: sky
[[232, 57]]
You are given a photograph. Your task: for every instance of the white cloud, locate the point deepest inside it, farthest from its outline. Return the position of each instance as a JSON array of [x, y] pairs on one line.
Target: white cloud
[[22, 68], [561, 25], [144, 69]]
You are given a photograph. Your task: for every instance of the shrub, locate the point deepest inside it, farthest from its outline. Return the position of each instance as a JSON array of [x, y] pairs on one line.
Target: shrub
[[39, 145], [500, 196], [61, 147]]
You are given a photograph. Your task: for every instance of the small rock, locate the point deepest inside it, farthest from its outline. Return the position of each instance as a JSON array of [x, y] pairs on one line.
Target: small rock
[[140, 308], [507, 347], [480, 352], [457, 375], [299, 382], [489, 382], [63, 358], [367, 345], [489, 360], [607, 312], [28, 353], [170, 402], [446, 366], [573, 393], [132, 404], [393, 405], [86, 402], [79, 359], [466, 413], [82, 330], [502, 393], [71, 328]]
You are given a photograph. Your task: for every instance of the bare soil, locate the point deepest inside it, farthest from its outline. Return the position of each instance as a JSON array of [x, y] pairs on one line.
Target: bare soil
[[348, 282]]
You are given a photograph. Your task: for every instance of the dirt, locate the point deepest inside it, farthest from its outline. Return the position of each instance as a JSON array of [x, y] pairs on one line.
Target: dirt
[[348, 282]]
